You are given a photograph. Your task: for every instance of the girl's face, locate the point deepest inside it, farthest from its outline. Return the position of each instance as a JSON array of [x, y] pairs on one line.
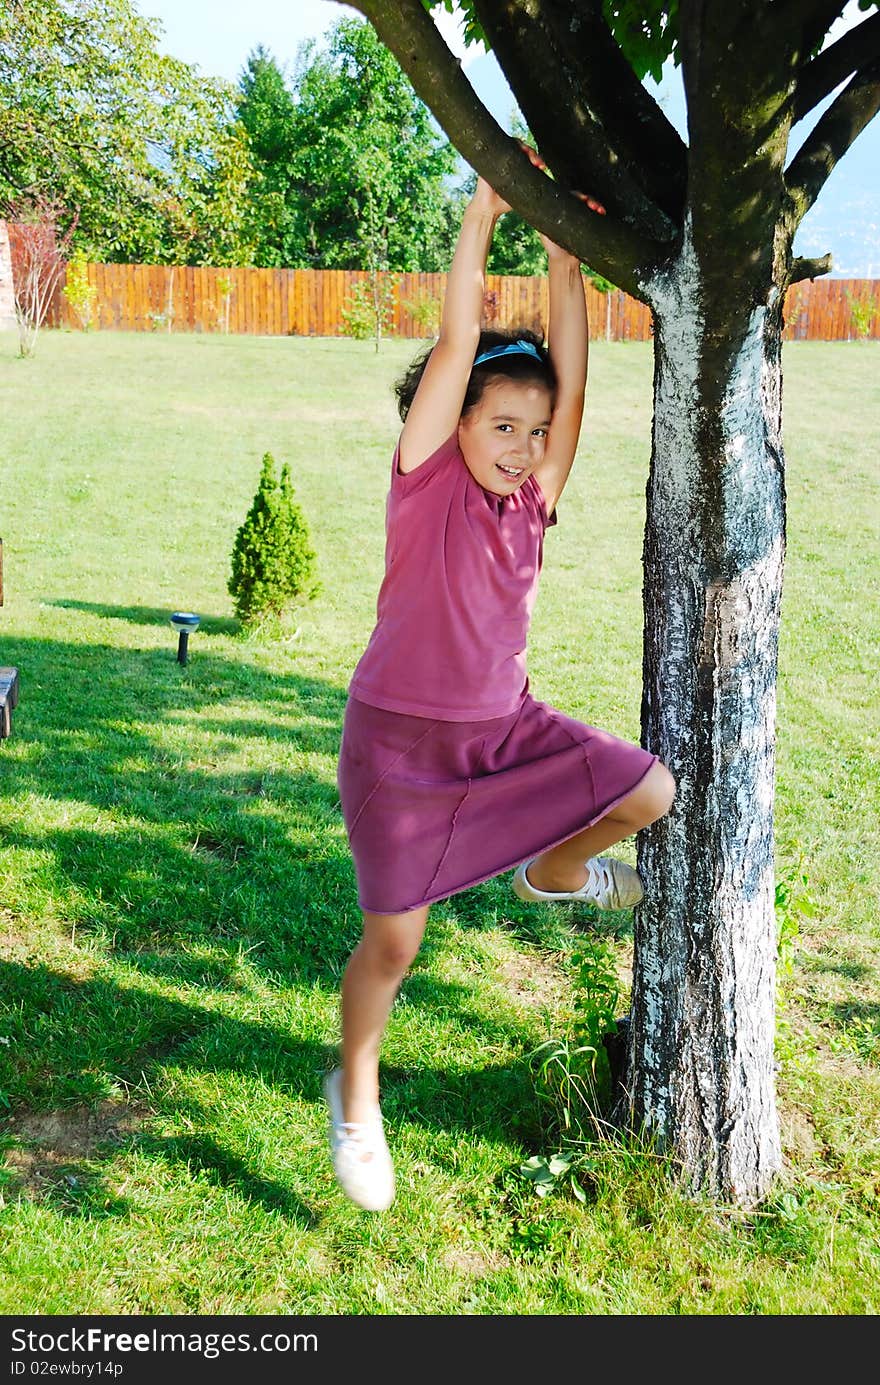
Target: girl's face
[[502, 438]]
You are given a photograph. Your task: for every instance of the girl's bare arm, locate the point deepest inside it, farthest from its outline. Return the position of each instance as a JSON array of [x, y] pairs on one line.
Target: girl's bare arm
[[568, 343], [435, 411], [568, 334]]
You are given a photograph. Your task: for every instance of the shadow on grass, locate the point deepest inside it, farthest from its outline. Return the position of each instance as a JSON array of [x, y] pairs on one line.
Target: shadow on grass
[[145, 837], [145, 827], [178, 856], [88, 1034], [148, 615], [850, 969]]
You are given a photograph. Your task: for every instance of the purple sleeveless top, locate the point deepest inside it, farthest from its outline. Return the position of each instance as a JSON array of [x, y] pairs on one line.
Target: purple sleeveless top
[[453, 611]]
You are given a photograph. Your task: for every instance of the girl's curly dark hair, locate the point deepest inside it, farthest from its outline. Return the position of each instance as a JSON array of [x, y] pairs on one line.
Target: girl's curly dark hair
[[519, 365]]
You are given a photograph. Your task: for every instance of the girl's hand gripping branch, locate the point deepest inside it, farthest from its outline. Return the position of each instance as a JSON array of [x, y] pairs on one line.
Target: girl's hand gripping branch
[[550, 247]]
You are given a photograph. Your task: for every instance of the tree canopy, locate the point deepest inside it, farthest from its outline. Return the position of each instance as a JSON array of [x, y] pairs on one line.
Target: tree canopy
[[349, 169], [600, 130], [348, 145], [267, 113], [339, 166], [138, 143]]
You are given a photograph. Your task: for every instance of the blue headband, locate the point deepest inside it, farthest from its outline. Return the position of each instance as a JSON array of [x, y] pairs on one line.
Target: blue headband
[[509, 349]]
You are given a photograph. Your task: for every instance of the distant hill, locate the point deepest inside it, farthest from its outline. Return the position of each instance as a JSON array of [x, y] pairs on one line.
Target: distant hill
[[846, 216]]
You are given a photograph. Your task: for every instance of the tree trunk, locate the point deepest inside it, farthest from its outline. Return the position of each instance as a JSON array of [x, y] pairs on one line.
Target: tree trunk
[[701, 1062]]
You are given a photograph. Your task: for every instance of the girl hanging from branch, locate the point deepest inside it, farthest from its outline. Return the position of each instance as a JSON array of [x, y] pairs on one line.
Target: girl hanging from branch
[[450, 770]]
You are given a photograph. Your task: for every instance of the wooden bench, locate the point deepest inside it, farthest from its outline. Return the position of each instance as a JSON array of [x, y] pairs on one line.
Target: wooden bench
[[8, 699]]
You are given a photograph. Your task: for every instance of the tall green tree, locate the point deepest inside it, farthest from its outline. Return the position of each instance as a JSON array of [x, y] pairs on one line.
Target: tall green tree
[[266, 111], [367, 153], [702, 232], [138, 143]]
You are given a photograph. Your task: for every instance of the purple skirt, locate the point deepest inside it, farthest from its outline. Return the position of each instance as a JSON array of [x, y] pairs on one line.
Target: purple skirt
[[434, 807]]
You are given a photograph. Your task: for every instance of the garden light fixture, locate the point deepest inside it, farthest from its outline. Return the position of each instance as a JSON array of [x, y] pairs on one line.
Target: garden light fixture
[[184, 622]]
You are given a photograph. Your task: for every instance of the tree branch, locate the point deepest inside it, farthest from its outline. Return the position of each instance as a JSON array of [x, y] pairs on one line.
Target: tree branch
[[816, 16], [809, 19], [624, 149], [802, 268], [817, 78], [830, 138], [606, 243]]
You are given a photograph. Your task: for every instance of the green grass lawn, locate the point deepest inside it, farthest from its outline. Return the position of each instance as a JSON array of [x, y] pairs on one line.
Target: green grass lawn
[[177, 900]]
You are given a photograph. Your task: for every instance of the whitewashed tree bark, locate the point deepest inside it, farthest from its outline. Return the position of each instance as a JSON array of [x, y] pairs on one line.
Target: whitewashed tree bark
[[701, 1068], [701, 231]]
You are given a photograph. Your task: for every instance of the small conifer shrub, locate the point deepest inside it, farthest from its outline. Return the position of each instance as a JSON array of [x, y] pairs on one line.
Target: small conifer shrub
[[273, 562]]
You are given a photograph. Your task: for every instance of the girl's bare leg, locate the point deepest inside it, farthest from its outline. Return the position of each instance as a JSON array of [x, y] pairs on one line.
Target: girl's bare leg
[[372, 979], [563, 867]]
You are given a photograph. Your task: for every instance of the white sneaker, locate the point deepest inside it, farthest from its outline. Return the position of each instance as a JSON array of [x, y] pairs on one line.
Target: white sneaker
[[361, 1160], [610, 884]]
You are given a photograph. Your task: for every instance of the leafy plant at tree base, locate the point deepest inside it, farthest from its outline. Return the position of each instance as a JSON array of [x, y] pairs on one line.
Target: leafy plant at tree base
[[79, 293], [550, 1175], [573, 1073], [273, 562]]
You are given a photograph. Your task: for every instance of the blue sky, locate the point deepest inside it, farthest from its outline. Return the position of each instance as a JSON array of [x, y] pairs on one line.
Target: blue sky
[[218, 35]]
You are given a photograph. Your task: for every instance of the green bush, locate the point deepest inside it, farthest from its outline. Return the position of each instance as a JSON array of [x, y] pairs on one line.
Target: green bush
[[79, 293], [425, 313], [369, 310], [862, 312], [273, 562]]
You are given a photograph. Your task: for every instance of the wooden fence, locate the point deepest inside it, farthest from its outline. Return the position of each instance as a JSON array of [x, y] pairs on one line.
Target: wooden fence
[[309, 302]]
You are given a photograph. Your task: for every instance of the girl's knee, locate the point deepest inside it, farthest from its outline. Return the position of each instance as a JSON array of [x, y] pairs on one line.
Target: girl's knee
[[391, 941], [650, 799], [669, 785], [661, 790], [391, 958]]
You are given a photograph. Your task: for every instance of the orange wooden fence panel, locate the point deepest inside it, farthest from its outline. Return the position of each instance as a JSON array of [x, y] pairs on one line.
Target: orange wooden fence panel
[[311, 302]]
